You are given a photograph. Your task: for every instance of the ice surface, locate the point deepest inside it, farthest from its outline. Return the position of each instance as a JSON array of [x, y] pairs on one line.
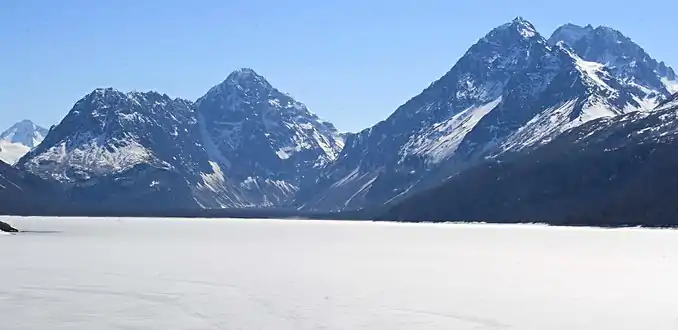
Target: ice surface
[[257, 274]]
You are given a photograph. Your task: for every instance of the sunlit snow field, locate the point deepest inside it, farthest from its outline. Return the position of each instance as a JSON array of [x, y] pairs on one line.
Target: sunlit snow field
[[258, 274]]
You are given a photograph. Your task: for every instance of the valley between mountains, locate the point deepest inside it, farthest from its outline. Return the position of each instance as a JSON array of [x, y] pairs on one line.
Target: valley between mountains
[[574, 128]]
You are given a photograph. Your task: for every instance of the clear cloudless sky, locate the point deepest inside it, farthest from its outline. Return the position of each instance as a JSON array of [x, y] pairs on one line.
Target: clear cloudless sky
[[352, 62]]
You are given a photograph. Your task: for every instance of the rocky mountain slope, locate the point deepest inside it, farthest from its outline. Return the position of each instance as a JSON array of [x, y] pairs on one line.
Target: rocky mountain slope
[[608, 172], [19, 139], [243, 144], [512, 91], [266, 142]]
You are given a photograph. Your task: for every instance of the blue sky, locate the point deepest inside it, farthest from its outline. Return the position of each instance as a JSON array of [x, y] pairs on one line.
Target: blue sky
[[352, 62]]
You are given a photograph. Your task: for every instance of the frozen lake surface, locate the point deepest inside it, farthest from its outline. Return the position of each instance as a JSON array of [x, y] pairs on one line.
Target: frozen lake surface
[[257, 274]]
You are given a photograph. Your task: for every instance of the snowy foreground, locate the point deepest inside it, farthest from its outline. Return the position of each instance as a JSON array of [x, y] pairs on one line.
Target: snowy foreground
[[258, 274]]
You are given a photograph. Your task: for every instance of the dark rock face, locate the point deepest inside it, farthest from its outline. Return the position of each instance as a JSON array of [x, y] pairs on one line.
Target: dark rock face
[[141, 188], [608, 172], [23, 193], [7, 228]]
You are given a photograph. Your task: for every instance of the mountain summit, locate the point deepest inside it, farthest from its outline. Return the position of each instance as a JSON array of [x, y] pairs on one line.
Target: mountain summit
[[24, 132], [264, 139], [17, 140]]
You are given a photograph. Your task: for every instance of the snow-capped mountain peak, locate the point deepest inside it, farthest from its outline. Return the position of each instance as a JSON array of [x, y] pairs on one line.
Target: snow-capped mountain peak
[[19, 139], [24, 132], [511, 32], [523, 26], [246, 106], [246, 76], [242, 83]]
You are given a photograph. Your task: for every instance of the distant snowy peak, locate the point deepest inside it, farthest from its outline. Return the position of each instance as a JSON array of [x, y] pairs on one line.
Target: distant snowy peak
[[24, 132], [19, 139]]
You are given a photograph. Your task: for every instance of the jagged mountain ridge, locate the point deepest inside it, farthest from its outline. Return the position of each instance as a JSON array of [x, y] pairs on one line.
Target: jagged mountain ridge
[[110, 135], [511, 91], [20, 138]]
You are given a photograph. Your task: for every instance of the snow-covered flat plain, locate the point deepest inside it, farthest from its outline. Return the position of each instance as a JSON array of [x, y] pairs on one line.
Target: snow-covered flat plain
[[258, 274]]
